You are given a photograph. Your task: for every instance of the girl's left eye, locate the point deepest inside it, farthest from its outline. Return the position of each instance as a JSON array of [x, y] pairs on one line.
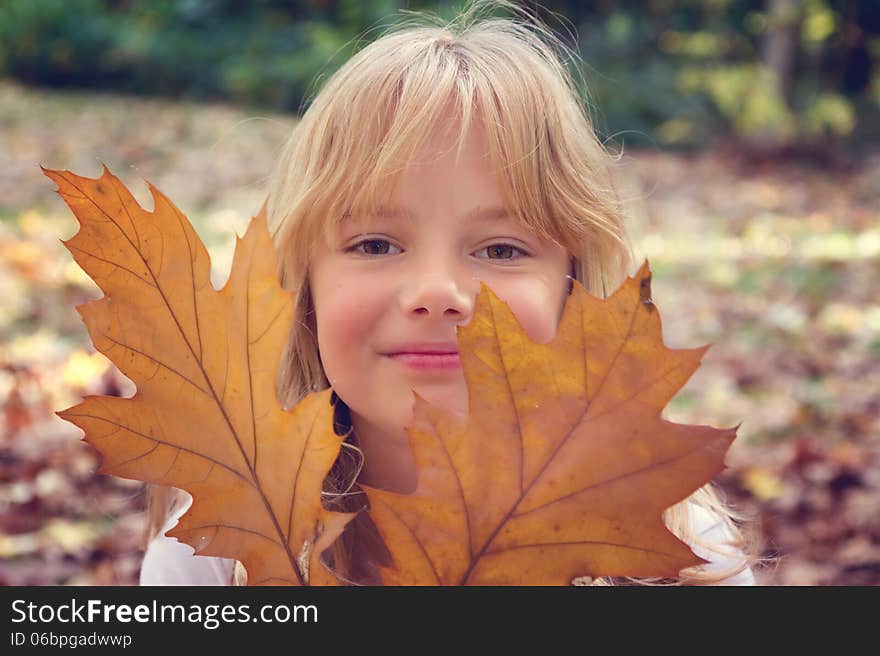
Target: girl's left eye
[[502, 252]]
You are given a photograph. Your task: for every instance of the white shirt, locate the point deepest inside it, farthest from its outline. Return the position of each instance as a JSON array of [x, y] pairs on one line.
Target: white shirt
[[169, 562]]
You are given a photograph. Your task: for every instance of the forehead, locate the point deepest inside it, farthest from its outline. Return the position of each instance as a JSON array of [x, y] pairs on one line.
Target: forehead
[[450, 172]]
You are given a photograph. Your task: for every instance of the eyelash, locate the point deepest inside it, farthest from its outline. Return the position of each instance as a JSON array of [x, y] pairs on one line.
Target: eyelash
[[385, 241]]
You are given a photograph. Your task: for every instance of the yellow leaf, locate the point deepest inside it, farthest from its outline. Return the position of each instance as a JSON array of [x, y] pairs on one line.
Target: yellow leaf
[[205, 417]]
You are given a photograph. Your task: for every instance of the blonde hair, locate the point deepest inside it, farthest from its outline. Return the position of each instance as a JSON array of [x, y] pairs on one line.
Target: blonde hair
[[366, 123]]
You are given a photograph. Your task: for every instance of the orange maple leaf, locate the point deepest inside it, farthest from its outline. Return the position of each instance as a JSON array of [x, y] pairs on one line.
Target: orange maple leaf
[[205, 417], [564, 465]]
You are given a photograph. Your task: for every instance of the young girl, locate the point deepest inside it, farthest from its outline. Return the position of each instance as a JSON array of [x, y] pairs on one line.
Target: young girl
[[438, 157]]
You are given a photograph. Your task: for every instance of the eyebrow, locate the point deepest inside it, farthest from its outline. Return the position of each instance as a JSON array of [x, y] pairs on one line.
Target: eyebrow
[[492, 213]]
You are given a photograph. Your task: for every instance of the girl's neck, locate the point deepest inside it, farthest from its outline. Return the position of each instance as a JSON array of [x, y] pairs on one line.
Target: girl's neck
[[388, 460]]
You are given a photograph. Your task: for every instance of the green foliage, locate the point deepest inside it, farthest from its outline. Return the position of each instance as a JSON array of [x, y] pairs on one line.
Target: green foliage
[[661, 72], [56, 41], [261, 53]]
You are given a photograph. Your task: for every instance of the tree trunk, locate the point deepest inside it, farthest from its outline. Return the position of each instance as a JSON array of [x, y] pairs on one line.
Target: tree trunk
[[780, 44]]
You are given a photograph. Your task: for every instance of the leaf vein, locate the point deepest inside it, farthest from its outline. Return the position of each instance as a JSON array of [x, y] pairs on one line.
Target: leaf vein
[[269, 324], [112, 263], [614, 479], [299, 466], [576, 543], [198, 454], [467, 519], [128, 214], [192, 276], [247, 355], [418, 542], [156, 361], [137, 457], [617, 353], [242, 529], [512, 398]]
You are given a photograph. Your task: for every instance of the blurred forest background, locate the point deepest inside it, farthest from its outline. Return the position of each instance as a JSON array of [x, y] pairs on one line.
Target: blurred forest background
[[750, 139]]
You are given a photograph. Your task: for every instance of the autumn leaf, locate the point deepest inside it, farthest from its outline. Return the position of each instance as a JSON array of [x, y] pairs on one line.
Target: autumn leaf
[[564, 466], [205, 417]]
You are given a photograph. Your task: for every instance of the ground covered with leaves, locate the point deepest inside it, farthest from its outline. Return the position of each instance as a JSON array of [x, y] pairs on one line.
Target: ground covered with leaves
[[775, 263]]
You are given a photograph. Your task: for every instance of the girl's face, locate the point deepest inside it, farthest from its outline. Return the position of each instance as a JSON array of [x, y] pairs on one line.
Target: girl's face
[[391, 286]]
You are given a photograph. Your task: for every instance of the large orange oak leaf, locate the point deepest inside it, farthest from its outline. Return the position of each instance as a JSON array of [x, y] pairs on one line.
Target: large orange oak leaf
[[564, 465], [205, 417]]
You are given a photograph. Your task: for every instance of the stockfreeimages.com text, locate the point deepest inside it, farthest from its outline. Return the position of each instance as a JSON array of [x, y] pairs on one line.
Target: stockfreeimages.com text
[[210, 616]]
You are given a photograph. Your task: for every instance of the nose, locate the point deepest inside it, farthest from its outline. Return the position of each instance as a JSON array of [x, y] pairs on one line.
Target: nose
[[439, 290]]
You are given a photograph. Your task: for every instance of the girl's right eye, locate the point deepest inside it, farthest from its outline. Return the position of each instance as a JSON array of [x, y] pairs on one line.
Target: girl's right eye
[[373, 247]]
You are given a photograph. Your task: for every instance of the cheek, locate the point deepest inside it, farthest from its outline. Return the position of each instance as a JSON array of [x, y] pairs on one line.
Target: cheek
[[346, 314], [538, 308]]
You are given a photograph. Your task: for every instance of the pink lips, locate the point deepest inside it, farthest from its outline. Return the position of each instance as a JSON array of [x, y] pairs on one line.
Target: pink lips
[[425, 356]]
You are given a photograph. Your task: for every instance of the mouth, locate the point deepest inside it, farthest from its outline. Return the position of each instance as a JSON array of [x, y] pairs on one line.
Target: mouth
[[427, 358]]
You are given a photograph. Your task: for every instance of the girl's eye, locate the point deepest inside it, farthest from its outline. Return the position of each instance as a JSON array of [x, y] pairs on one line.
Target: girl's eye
[[502, 252], [373, 247]]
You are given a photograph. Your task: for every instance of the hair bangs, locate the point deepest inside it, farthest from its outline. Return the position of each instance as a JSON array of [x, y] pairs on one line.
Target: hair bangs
[[428, 90]]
